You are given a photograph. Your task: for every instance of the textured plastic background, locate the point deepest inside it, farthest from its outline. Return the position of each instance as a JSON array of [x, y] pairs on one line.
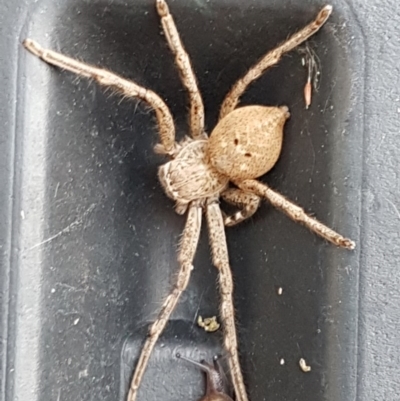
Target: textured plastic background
[[88, 239]]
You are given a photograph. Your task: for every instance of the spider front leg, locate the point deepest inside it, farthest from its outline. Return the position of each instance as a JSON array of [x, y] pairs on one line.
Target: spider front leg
[[184, 65], [231, 100], [187, 251], [127, 88], [220, 259], [246, 201], [295, 212]]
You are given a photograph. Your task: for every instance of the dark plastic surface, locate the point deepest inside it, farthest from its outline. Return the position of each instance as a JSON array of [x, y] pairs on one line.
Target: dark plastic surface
[[91, 250]]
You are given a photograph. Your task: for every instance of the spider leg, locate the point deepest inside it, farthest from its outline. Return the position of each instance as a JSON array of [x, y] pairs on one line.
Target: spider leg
[[232, 98], [187, 251], [221, 261], [185, 70], [127, 88], [295, 212], [246, 201]]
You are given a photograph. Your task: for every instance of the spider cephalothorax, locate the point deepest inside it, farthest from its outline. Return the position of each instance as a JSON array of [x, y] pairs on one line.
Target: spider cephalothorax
[[244, 145], [190, 175]]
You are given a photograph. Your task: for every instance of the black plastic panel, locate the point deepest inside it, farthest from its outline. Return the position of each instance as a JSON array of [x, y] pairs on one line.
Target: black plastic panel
[[96, 237]]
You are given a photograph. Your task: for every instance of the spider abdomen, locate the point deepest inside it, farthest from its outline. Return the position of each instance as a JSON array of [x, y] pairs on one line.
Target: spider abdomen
[[247, 142]]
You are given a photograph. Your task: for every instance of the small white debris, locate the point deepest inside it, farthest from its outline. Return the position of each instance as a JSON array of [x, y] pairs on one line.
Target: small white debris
[[22, 215], [303, 365], [53, 290], [76, 321], [282, 361], [83, 373], [280, 291]]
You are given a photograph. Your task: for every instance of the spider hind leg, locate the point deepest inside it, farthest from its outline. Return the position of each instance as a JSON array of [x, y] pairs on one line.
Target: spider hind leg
[[187, 251], [220, 258], [296, 213], [247, 202]]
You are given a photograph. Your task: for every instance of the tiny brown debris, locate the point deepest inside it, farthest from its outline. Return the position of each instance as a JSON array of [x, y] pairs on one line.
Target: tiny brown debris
[[311, 62]]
